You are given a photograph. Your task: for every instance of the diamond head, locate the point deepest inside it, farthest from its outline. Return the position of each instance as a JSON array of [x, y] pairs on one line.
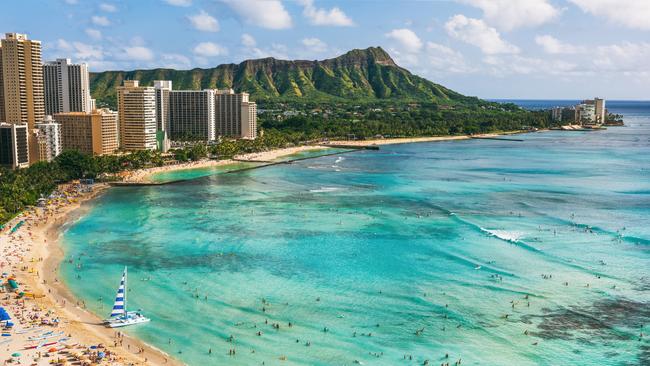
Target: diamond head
[[362, 75]]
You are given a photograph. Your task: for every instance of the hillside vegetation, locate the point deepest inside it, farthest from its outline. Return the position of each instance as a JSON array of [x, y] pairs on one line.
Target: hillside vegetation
[[361, 75]]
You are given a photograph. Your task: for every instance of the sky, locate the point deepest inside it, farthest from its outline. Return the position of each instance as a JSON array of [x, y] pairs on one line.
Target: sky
[[523, 49]]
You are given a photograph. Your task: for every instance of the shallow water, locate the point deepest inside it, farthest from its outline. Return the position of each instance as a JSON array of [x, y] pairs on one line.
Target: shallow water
[[440, 237]]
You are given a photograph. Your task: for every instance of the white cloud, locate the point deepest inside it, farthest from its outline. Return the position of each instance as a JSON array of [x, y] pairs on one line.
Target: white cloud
[[500, 65], [204, 22], [250, 49], [278, 50], [247, 40], [479, 34], [100, 20], [209, 49], [627, 58], [175, 61], [184, 3], [407, 39], [510, 14], [333, 16], [269, 14], [445, 60], [109, 8], [81, 51], [314, 45], [94, 33], [629, 13], [136, 53], [553, 45]]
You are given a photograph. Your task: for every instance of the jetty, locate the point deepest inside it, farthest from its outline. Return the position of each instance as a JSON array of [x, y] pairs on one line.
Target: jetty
[[261, 164], [355, 147], [496, 138], [140, 184]]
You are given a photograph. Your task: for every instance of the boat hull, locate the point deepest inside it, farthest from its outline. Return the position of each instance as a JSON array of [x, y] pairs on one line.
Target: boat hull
[[123, 321]]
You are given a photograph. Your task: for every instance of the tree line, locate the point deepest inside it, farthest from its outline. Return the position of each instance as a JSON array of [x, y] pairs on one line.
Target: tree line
[[23, 187], [20, 188]]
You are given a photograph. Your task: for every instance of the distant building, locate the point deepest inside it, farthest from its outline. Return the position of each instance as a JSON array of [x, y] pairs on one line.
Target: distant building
[[67, 87], [586, 113], [192, 115], [601, 111], [236, 116], [91, 133], [137, 116], [556, 114], [14, 149], [591, 112], [162, 87], [22, 84], [49, 139]]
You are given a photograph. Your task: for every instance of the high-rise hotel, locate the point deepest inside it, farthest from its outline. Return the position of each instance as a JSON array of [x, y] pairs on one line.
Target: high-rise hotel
[[67, 87], [90, 133], [22, 86], [236, 116], [191, 115], [137, 116], [204, 114], [14, 152]]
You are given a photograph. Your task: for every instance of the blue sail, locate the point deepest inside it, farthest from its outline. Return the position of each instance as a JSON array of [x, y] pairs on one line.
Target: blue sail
[[119, 307]]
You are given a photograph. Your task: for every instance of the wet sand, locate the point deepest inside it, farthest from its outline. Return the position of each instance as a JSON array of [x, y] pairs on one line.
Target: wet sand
[[33, 254]]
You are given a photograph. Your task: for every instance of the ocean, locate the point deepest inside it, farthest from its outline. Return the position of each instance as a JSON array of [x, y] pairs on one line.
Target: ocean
[[493, 252]]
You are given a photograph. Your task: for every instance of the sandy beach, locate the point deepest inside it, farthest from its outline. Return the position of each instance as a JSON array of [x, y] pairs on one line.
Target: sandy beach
[[144, 175], [52, 319], [409, 140], [48, 318]]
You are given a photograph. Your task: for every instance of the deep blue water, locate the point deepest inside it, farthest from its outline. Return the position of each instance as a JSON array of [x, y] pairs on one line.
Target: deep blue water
[[496, 252]]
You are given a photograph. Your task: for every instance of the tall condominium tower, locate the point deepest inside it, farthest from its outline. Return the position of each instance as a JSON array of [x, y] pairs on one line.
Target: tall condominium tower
[[22, 82], [236, 116], [14, 152], [67, 87], [191, 115], [137, 116], [163, 87], [91, 133], [50, 144], [249, 120], [2, 91]]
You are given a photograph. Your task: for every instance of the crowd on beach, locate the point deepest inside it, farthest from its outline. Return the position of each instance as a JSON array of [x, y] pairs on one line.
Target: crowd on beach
[[35, 329]]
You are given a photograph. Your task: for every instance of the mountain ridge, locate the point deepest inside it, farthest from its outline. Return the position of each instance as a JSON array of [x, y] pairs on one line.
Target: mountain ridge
[[359, 74]]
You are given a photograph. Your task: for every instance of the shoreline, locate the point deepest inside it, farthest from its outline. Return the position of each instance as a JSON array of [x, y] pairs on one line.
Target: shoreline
[[85, 326], [410, 140], [39, 242], [144, 175]]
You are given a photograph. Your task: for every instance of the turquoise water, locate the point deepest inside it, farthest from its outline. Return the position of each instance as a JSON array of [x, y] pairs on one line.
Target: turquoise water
[[193, 173], [457, 248]]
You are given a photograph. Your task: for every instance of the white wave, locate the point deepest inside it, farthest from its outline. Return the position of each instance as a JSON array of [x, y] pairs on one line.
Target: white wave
[[325, 189], [511, 236], [339, 159]]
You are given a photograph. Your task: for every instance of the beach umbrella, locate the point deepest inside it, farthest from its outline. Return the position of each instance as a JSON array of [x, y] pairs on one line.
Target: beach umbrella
[[15, 354], [52, 349]]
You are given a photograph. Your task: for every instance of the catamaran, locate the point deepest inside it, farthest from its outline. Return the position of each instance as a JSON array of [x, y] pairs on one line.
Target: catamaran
[[120, 317]]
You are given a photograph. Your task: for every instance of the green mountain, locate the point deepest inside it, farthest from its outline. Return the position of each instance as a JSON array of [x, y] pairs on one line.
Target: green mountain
[[369, 74]]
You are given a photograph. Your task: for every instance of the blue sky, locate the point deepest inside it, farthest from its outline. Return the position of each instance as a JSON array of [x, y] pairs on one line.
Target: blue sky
[[489, 48]]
